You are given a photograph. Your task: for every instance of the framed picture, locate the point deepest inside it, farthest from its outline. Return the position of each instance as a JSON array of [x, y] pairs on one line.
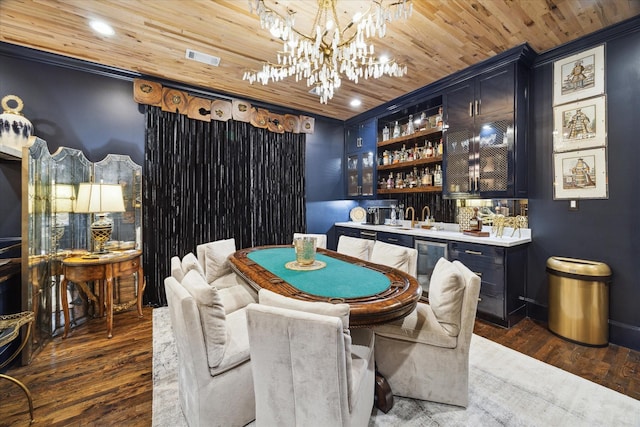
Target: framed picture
[[580, 125], [579, 76], [580, 174]]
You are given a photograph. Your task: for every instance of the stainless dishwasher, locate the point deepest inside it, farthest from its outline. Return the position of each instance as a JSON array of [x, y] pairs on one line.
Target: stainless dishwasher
[[429, 252]]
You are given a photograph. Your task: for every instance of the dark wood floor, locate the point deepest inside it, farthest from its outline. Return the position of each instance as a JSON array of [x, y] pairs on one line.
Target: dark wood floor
[[89, 380]]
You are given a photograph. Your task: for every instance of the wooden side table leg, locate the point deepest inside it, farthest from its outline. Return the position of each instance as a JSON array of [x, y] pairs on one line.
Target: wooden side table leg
[[140, 288], [65, 305], [109, 297]]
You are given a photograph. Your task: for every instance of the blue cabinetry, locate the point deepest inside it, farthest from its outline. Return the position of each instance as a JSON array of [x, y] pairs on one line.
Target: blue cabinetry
[[360, 146], [503, 271]]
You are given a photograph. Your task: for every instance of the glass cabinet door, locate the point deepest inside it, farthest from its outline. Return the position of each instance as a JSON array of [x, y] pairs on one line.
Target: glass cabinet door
[[367, 174], [353, 166]]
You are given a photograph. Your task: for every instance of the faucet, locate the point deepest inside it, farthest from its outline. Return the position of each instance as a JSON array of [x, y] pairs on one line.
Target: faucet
[[428, 214], [413, 215]]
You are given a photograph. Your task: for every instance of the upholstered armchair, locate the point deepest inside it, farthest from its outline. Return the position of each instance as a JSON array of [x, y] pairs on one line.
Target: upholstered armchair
[[215, 383], [355, 247], [321, 239], [308, 368], [426, 355], [396, 256]]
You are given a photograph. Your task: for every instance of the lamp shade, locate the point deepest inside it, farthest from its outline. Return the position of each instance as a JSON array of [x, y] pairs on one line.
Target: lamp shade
[[99, 198]]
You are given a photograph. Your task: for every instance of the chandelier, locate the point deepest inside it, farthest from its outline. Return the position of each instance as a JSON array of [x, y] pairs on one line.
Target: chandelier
[[330, 50]]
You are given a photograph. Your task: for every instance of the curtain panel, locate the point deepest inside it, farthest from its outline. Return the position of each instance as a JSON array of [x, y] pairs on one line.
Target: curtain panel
[[205, 181]]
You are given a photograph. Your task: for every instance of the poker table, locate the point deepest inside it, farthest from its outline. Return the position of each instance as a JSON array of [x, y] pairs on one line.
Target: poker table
[[375, 293]]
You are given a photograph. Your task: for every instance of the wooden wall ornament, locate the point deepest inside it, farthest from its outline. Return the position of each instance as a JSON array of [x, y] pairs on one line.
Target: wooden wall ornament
[[174, 101], [199, 109], [241, 111], [291, 123], [307, 124], [259, 118], [147, 92], [221, 110], [276, 123]]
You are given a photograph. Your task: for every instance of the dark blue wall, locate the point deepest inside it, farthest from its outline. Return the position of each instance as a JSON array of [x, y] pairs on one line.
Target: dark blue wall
[[68, 108], [325, 179], [601, 230]]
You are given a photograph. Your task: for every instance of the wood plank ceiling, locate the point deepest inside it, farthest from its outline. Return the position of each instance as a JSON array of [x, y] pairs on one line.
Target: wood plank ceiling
[[441, 37]]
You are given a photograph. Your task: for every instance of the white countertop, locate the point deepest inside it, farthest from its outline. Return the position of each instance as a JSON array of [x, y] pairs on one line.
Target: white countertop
[[448, 231]]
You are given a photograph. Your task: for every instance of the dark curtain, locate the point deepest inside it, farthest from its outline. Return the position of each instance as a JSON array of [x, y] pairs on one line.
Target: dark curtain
[[206, 181]]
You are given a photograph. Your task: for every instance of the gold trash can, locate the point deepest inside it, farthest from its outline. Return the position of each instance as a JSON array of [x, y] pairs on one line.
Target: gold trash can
[[579, 300]]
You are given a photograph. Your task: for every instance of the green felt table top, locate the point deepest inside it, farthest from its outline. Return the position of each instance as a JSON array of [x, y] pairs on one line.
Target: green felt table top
[[339, 279]]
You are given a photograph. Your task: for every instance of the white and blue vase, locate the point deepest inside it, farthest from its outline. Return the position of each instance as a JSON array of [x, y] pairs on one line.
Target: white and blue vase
[[15, 129]]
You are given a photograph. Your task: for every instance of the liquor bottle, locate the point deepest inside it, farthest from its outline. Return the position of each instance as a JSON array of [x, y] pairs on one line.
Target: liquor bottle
[[437, 176], [385, 158], [390, 182], [427, 177], [385, 133], [396, 130], [439, 118], [429, 149], [475, 223], [399, 180], [416, 152], [410, 125]]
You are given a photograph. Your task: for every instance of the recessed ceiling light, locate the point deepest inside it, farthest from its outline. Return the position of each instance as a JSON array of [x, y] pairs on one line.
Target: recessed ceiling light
[[102, 27], [355, 103]]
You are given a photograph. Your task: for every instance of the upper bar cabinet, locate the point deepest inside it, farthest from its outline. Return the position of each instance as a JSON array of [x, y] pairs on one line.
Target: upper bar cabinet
[[485, 135]]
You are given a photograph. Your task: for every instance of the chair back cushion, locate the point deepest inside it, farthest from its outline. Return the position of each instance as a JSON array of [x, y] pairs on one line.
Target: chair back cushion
[[446, 291], [214, 256], [266, 297], [355, 247], [395, 256], [176, 268], [190, 262], [212, 315]]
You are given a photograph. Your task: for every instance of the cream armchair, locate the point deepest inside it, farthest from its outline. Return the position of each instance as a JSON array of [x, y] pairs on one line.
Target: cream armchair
[[308, 368], [215, 383], [426, 355]]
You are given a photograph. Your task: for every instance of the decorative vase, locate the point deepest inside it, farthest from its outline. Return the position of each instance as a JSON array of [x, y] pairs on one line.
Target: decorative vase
[[15, 129], [464, 218]]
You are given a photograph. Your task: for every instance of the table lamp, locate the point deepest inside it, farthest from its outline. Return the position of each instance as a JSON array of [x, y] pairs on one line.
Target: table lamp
[[64, 196], [100, 199]]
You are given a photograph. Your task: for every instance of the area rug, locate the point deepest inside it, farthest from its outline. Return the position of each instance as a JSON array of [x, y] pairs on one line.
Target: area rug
[[506, 388]]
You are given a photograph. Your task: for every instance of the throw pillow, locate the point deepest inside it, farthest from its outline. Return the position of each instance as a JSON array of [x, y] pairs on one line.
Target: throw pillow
[[355, 247], [212, 315], [216, 256], [446, 290], [391, 255], [190, 262], [176, 269]]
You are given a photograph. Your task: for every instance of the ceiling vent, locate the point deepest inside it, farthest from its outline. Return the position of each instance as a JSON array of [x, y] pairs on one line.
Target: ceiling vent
[[202, 57]]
